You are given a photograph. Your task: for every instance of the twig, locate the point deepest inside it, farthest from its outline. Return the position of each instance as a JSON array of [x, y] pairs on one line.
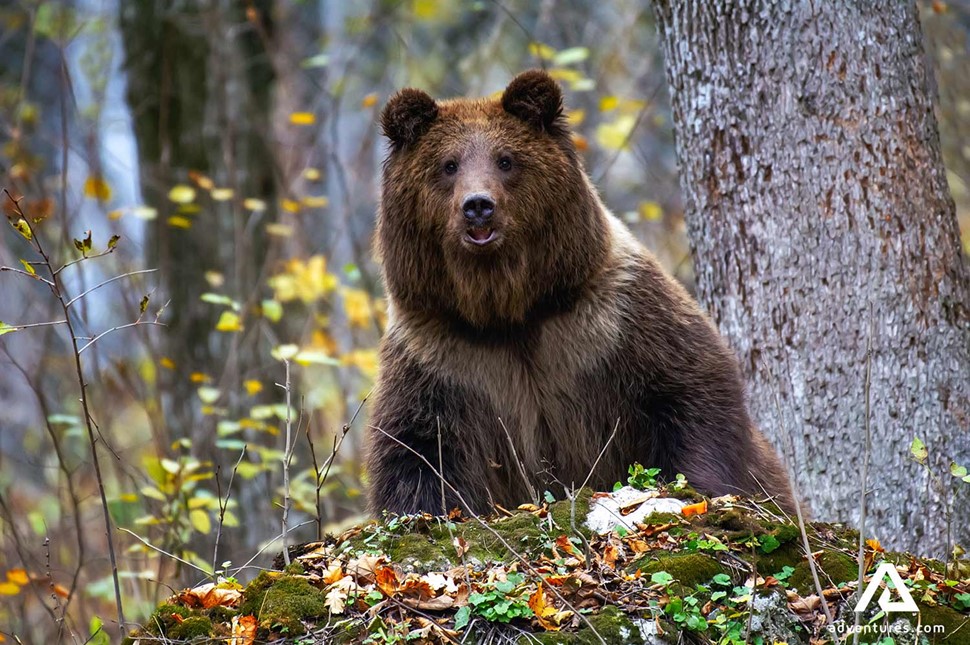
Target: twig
[[865, 481], [337, 442], [606, 445], [495, 534], [40, 324], [151, 546], [287, 452], [441, 468], [32, 276], [515, 455], [119, 327], [106, 282], [223, 504], [55, 288]]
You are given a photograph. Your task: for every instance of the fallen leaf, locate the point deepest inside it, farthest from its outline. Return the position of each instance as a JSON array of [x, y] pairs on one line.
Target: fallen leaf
[[386, 578], [243, 630], [695, 509]]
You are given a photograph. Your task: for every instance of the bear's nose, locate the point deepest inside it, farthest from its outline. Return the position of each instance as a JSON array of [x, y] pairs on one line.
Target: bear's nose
[[478, 207]]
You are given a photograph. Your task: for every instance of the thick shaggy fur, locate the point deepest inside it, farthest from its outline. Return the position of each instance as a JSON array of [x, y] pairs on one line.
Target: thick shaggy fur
[[562, 328]]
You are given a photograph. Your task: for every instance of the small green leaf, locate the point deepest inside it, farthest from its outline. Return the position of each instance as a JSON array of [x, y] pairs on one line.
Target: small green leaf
[[957, 470], [98, 634], [722, 579], [219, 299], [768, 543], [661, 578], [6, 329], [113, 242], [918, 450], [28, 267], [143, 305], [462, 616]]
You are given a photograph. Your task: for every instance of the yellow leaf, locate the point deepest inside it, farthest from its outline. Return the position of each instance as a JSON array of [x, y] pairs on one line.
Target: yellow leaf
[[167, 363], [363, 359], [253, 204], [426, 9], [616, 135], [200, 521], [221, 194], [179, 222], [182, 194], [290, 206], [22, 227], [358, 308], [303, 118], [541, 50], [650, 211], [199, 377], [311, 174], [201, 180], [608, 103], [28, 267], [565, 75], [229, 321], [575, 117], [369, 101], [96, 187], [144, 212], [311, 201], [116, 214], [279, 230], [253, 387], [18, 577], [9, 589]]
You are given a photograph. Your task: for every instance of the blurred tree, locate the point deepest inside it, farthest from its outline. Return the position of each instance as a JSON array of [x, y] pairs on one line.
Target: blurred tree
[[810, 161]]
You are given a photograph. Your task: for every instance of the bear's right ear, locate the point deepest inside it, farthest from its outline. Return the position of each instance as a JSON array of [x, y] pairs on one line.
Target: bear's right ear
[[407, 116], [536, 98]]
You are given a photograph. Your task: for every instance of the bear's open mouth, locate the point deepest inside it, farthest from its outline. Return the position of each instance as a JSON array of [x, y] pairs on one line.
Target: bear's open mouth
[[480, 235]]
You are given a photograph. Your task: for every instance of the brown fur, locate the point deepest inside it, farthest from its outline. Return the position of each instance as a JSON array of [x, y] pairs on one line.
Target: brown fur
[[561, 328]]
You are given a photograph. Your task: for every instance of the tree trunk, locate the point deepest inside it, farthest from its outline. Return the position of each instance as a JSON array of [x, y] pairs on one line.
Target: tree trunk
[[810, 161]]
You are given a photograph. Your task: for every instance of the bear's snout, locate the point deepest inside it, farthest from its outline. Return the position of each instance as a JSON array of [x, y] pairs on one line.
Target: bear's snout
[[478, 209]]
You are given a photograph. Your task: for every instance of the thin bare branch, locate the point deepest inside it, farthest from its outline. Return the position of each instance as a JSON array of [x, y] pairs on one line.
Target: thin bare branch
[[118, 328], [106, 282]]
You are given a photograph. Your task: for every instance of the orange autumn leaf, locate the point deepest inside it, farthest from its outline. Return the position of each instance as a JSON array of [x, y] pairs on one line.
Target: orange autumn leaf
[[547, 615], [610, 555], [386, 579], [210, 595], [875, 545], [243, 630], [695, 509], [18, 577], [60, 590], [563, 543]]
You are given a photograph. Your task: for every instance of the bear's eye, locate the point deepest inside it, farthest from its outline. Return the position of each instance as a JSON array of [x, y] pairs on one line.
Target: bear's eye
[[505, 163], [451, 167]]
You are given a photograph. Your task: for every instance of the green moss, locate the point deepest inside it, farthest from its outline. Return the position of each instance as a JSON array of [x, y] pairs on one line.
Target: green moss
[[280, 602], [688, 569], [946, 616], [834, 567], [789, 554], [612, 625], [162, 619], [562, 512], [659, 519], [294, 568], [190, 628], [414, 546]]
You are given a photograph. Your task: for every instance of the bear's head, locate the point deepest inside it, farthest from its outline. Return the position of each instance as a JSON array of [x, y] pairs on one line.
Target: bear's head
[[486, 212]]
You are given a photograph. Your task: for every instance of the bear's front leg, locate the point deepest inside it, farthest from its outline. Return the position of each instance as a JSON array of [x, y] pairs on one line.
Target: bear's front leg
[[416, 414]]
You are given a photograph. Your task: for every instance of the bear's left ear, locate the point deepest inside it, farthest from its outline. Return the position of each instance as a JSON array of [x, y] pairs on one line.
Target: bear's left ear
[[407, 116], [536, 98]]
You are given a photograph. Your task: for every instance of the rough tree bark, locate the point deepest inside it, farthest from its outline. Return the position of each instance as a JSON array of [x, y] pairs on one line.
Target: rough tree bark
[[810, 161]]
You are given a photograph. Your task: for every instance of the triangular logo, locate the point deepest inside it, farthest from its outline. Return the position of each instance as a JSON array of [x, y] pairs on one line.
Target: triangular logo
[[905, 602]]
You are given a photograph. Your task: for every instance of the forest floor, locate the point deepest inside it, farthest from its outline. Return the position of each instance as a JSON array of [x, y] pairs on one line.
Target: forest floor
[[725, 570]]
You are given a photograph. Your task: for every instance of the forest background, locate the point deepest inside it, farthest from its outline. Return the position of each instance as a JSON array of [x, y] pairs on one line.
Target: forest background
[[233, 149]]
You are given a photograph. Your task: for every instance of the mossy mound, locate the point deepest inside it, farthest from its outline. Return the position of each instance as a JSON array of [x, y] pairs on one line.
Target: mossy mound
[[736, 571]]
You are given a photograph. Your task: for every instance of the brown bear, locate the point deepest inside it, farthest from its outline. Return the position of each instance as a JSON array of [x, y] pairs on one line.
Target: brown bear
[[526, 323]]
